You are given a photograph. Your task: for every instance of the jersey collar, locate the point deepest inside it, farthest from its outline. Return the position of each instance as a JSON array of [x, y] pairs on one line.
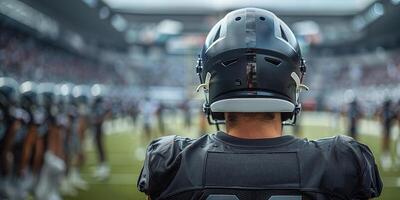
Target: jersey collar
[[254, 142]]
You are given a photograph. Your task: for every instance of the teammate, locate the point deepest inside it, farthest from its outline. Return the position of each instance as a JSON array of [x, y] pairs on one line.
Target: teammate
[[25, 139], [397, 111], [54, 166], [387, 116], [9, 124], [81, 100], [354, 115], [75, 149], [160, 118], [148, 110], [134, 111], [99, 115], [187, 115], [251, 71]]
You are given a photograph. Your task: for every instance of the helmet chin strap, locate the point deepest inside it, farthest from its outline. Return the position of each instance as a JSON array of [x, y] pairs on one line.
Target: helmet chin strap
[[205, 86], [299, 87]]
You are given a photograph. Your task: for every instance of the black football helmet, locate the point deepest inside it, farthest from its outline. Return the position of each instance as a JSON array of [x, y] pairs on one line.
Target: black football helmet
[[8, 92], [64, 96], [251, 62], [47, 96], [81, 94], [28, 95], [98, 92]]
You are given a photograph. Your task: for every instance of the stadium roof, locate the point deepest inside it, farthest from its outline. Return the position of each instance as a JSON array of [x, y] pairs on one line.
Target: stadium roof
[[287, 7], [76, 16]]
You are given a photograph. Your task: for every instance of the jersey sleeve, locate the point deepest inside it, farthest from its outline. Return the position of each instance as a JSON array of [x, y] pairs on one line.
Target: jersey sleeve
[[160, 165], [369, 181]]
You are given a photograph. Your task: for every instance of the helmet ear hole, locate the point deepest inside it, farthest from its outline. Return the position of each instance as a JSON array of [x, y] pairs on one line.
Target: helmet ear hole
[[217, 35], [283, 34], [229, 62], [272, 60]]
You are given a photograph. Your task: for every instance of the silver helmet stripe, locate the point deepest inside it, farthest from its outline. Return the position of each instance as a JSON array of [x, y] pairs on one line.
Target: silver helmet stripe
[[252, 105]]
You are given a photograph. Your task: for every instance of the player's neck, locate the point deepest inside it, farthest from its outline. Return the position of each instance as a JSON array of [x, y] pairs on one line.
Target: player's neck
[[255, 129]]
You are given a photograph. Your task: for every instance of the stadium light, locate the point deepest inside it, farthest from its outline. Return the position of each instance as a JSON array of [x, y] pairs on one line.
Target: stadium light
[[76, 91], [306, 28], [373, 13], [104, 12], [26, 86], [169, 27], [29, 16], [64, 90], [131, 36], [378, 9], [96, 90], [395, 2], [119, 23], [91, 3]]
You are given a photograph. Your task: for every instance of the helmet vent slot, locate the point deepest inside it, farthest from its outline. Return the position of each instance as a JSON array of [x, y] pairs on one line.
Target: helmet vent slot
[[283, 34], [229, 62], [272, 60], [217, 35]]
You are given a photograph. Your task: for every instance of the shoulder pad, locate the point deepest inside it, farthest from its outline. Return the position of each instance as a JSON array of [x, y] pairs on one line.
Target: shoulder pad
[[161, 163], [370, 183]]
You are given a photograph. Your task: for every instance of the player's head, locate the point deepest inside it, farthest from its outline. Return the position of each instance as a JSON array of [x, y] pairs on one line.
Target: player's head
[[251, 62], [64, 95], [28, 97], [47, 95], [97, 91], [387, 102], [8, 92], [81, 94]]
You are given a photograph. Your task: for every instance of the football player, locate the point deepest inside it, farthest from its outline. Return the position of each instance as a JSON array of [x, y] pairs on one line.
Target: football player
[[387, 117], [99, 113], [251, 71], [53, 168], [9, 125], [26, 138], [354, 115]]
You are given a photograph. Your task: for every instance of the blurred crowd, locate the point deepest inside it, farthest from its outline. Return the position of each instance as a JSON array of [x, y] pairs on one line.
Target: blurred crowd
[[27, 58], [368, 75], [371, 76]]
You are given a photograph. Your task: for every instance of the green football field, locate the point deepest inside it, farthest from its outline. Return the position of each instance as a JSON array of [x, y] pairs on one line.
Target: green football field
[[126, 148]]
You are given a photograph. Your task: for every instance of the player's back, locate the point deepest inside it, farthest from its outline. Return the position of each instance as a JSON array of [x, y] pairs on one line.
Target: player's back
[[222, 167]]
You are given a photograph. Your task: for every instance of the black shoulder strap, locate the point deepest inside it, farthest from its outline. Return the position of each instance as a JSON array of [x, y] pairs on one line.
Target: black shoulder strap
[[234, 197]]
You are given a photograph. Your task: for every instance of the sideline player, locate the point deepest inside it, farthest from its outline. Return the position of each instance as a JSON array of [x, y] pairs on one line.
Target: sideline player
[[148, 110], [99, 114], [251, 71], [53, 168], [397, 112], [9, 125], [387, 116], [354, 115]]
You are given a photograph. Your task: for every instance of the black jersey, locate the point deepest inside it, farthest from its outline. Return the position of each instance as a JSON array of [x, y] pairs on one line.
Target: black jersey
[[220, 166]]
